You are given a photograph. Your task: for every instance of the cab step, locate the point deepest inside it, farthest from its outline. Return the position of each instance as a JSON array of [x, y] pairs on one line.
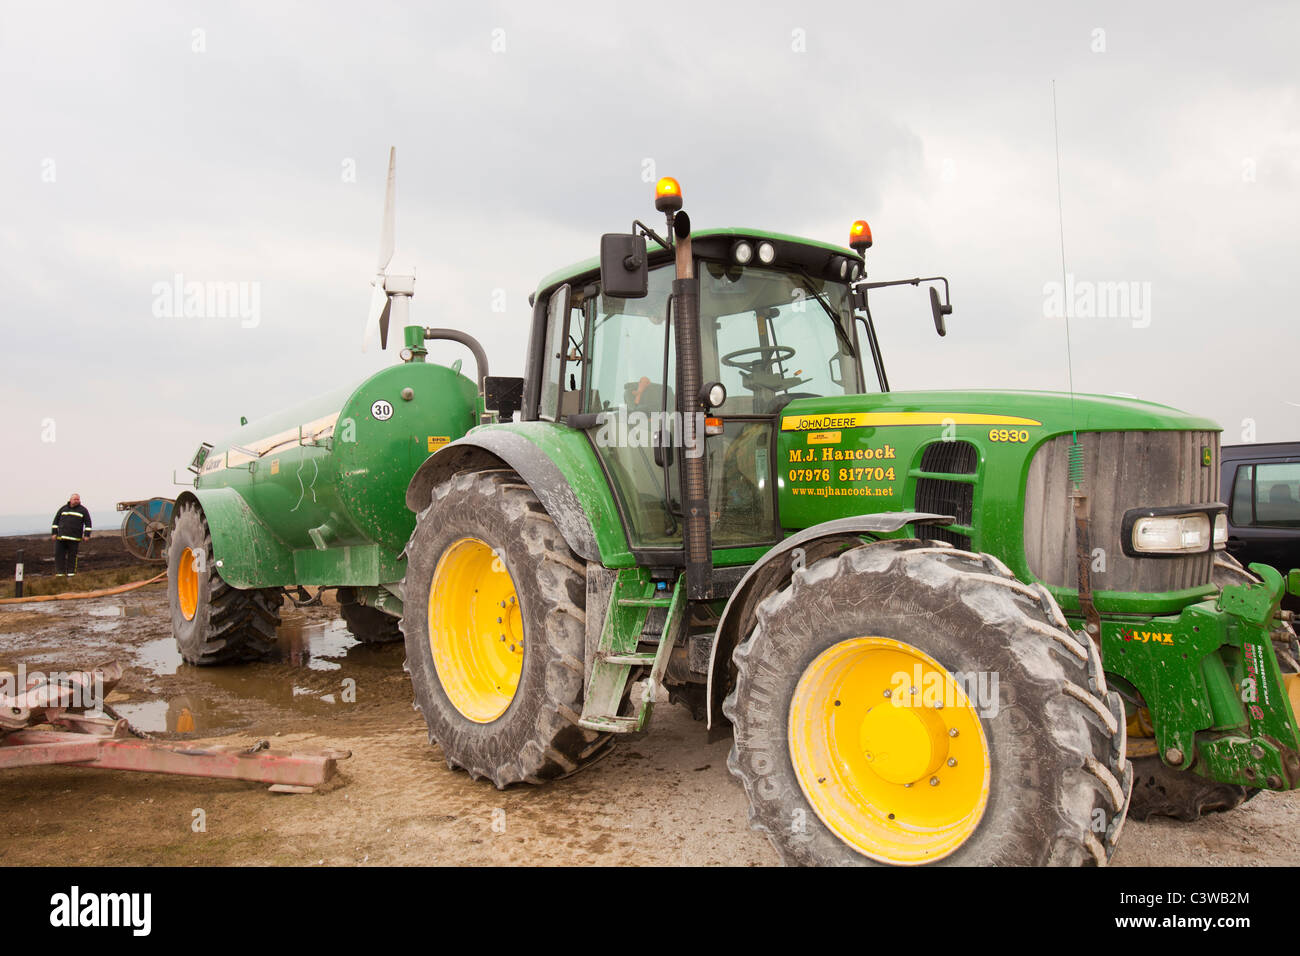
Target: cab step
[[629, 624], [612, 725], [631, 660], [645, 602]]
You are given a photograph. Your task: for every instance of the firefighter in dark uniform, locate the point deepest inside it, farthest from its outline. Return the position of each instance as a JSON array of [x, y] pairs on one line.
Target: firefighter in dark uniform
[[70, 527]]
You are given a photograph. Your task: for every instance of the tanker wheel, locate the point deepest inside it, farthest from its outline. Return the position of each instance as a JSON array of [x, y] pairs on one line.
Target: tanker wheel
[[367, 624], [1160, 791], [214, 623], [495, 627], [858, 738]]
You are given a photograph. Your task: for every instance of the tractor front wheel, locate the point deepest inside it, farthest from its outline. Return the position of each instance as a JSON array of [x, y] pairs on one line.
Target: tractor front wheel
[[495, 625], [908, 703]]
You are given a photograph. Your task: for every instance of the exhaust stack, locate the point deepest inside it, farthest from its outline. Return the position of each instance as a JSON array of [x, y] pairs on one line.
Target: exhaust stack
[[694, 470]]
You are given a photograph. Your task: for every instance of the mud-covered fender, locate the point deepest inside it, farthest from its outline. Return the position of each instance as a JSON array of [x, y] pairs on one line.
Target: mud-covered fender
[[498, 447], [246, 552], [776, 567]]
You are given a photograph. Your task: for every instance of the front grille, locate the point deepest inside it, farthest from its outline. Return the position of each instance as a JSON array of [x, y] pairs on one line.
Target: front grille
[[950, 458], [941, 497], [1122, 471]]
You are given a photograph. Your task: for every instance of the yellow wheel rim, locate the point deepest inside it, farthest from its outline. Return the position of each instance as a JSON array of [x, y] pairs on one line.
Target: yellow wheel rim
[[1141, 735], [889, 750], [187, 585], [476, 631]]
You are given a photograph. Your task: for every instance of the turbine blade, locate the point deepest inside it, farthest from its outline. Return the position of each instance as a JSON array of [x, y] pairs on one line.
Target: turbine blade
[[378, 306], [386, 237]]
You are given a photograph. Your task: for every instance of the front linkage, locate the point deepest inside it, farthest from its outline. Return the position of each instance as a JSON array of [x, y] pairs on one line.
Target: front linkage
[[1210, 679]]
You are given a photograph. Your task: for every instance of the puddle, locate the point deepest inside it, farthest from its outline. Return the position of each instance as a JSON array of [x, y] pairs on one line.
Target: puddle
[[158, 657], [180, 715], [309, 674], [318, 647], [311, 649], [116, 610], [113, 615]]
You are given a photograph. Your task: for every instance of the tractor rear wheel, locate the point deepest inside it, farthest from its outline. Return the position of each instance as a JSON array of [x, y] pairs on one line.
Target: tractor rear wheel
[[214, 623], [367, 624], [495, 626], [906, 702], [1160, 791]]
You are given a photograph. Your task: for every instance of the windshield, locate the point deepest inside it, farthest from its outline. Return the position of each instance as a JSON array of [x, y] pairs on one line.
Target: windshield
[[770, 336]]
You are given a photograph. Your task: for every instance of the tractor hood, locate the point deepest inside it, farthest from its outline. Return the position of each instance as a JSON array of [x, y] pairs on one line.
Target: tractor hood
[[1043, 412], [977, 454]]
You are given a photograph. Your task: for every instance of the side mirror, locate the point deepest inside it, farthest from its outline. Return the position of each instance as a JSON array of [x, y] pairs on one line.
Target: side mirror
[[503, 395], [624, 269], [939, 310]]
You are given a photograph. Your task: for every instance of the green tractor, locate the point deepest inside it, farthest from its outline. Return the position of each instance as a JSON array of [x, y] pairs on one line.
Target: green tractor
[[958, 626]]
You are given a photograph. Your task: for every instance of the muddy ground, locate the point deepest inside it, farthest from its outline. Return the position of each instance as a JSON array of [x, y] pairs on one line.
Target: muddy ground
[[663, 799], [104, 551]]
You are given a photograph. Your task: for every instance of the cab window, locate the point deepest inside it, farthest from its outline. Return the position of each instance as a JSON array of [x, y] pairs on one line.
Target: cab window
[[627, 340], [564, 366], [770, 336]]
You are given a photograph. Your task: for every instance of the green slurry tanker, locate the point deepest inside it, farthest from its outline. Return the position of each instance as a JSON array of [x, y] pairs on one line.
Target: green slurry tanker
[[969, 627]]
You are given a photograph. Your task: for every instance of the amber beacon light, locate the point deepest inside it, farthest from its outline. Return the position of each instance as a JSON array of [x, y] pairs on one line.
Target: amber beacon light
[[668, 195], [860, 236]]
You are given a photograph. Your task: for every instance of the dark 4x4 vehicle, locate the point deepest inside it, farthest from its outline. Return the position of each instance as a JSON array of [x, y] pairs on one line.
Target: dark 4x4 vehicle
[[1262, 483]]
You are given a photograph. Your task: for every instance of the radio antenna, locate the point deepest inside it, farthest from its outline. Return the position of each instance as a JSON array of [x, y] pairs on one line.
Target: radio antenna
[[1078, 493], [1065, 305]]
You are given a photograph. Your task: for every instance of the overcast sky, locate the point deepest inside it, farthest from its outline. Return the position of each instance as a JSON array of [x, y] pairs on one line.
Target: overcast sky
[[215, 141]]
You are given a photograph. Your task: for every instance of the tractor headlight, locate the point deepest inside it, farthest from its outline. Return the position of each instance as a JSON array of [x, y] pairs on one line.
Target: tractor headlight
[[1220, 531], [713, 394], [742, 252], [766, 253], [1174, 534], [1173, 531]]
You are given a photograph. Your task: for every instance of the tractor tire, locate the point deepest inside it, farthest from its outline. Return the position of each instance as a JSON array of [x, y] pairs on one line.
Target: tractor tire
[[495, 629], [1161, 791], [1042, 777], [367, 624], [214, 623]]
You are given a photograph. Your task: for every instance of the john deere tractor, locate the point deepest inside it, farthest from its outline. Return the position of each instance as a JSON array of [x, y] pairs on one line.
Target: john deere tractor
[[954, 626]]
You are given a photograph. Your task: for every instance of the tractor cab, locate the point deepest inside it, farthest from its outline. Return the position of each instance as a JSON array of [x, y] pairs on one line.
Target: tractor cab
[[776, 323]]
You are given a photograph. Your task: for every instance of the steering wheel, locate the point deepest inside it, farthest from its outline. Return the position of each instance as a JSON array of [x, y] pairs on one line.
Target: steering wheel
[[767, 354]]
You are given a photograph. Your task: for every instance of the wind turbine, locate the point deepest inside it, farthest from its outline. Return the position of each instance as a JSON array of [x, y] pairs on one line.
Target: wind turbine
[[391, 297]]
